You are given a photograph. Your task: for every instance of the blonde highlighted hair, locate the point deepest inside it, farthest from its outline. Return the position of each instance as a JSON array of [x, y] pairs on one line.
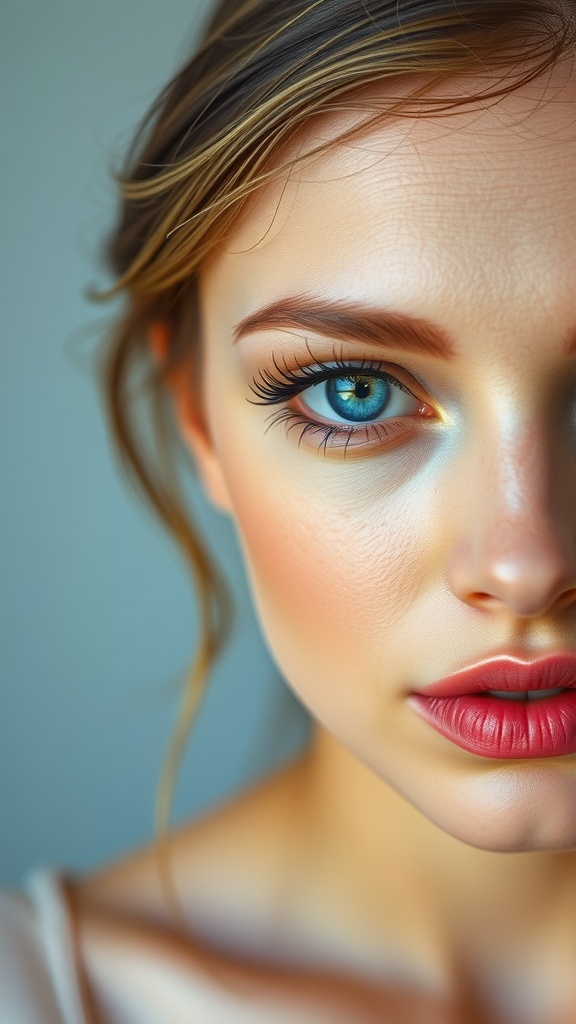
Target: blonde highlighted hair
[[212, 138]]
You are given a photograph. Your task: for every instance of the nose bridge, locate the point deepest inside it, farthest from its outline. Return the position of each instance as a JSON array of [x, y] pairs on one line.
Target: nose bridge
[[514, 479], [516, 538]]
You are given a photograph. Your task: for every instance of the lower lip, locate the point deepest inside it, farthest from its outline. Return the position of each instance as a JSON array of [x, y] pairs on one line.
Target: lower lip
[[496, 727]]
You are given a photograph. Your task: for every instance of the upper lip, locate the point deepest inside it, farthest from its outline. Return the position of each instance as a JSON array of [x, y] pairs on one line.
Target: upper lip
[[507, 672]]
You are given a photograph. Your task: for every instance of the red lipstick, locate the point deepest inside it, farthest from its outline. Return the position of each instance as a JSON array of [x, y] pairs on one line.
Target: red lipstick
[[525, 718]]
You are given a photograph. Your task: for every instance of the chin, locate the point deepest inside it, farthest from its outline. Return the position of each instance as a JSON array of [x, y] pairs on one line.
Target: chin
[[511, 815], [530, 839]]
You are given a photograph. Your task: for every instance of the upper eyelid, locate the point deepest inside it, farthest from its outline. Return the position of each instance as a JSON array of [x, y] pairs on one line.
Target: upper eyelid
[[297, 381], [325, 372], [340, 353]]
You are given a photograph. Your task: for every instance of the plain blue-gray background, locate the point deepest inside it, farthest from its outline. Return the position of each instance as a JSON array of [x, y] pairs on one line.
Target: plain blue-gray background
[[97, 618]]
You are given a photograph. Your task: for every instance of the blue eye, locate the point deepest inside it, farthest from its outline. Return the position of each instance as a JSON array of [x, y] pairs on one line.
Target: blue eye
[[358, 398], [354, 398], [342, 406]]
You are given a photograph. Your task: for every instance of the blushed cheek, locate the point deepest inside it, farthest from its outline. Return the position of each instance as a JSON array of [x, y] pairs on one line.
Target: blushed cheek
[[334, 583]]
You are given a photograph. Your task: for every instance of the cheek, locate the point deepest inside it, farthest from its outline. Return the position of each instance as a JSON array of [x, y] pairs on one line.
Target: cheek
[[335, 566]]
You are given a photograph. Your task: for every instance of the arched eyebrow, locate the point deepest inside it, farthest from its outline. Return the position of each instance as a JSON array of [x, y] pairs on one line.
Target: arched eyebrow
[[349, 321]]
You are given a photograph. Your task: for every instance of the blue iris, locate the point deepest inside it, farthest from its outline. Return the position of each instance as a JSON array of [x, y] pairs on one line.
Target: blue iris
[[357, 397]]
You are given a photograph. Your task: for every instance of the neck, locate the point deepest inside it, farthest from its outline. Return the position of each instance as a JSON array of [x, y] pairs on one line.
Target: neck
[[397, 882]]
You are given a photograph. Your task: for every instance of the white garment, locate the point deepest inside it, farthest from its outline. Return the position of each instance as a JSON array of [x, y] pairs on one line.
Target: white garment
[[146, 978], [39, 982]]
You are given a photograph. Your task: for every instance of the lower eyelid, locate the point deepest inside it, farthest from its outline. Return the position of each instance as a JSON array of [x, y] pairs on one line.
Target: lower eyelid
[[340, 438]]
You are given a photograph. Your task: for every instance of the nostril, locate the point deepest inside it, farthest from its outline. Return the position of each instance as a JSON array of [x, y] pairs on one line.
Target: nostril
[[479, 597], [566, 600]]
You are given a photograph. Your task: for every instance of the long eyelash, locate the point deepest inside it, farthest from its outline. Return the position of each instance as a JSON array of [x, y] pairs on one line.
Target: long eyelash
[[326, 432], [272, 389], [276, 390]]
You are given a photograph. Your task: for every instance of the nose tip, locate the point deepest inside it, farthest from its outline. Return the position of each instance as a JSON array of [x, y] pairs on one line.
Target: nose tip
[[529, 575]]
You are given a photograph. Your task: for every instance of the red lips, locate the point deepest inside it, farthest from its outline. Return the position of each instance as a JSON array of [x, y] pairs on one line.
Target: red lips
[[460, 708]]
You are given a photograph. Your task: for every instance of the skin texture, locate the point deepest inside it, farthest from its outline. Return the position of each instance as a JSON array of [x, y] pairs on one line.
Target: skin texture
[[384, 566], [395, 565]]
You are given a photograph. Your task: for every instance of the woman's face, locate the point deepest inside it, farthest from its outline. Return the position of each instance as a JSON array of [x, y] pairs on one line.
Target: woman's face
[[442, 531]]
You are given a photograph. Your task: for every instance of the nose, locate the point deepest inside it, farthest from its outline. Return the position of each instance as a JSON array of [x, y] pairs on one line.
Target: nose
[[514, 545]]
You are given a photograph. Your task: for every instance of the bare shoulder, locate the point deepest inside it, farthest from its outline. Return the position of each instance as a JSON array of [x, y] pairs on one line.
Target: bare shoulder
[[254, 949], [227, 862], [231, 870]]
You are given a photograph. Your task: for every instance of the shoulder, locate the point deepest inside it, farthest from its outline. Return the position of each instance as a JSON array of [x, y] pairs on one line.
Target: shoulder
[[38, 979], [229, 872], [228, 862], [247, 949], [107, 944]]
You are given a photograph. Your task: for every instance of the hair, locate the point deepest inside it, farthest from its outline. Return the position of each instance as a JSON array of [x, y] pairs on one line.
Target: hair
[[214, 137]]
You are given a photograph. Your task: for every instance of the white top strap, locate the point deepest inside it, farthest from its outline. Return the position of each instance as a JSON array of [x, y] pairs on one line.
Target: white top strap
[[46, 890], [39, 981]]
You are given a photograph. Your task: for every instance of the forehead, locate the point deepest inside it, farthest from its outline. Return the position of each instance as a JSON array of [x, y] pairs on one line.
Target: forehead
[[475, 206]]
